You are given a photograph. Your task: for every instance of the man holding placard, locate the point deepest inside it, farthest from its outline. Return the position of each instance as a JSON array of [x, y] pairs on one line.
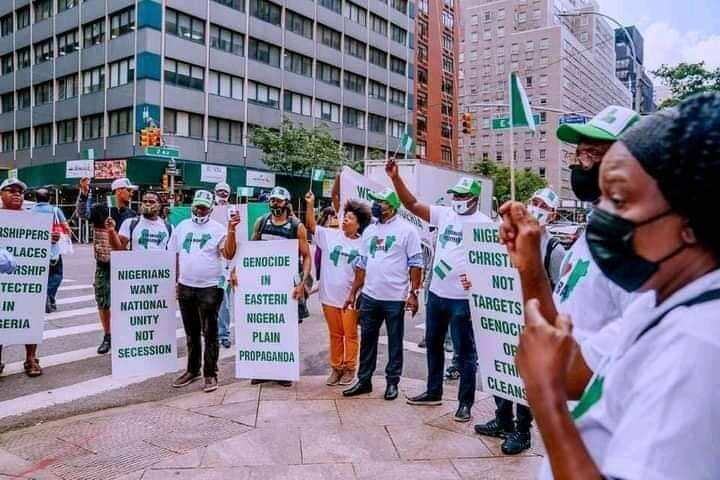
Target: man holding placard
[[222, 197], [447, 304], [201, 243], [145, 232]]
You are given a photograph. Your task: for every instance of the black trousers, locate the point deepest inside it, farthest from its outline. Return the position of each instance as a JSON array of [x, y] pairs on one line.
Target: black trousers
[[199, 309], [504, 415], [372, 315]]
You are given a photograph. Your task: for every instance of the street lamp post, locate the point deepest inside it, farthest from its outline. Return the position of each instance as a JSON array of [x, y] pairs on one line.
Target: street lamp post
[[631, 42]]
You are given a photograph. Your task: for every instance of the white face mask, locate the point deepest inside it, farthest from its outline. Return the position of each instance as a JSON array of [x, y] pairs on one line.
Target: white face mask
[[542, 216], [200, 220], [461, 207]]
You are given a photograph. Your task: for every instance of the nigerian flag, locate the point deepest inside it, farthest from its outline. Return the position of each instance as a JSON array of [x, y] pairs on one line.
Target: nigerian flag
[[406, 142], [520, 113], [318, 175]]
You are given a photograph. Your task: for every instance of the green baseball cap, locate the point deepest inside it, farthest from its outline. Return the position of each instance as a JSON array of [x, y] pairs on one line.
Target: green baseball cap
[[388, 196], [202, 198], [466, 185], [606, 126]]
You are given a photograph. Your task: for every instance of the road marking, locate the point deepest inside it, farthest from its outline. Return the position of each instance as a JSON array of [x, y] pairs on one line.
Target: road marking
[[411, 347], [59, 396], [70, 288], [78, 329], [80, 299], [71, 313]]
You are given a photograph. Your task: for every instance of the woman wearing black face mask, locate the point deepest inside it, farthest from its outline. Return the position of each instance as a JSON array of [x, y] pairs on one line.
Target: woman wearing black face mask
[[648, 409]]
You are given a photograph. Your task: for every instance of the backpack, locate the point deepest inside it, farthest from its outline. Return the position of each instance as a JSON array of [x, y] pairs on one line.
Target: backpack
[[549, 249], [134, 223]]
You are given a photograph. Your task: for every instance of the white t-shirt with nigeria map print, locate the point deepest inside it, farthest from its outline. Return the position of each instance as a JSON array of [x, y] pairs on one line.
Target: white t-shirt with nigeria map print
[[200, 259], [338, 256], [450, 257], [147, 234]]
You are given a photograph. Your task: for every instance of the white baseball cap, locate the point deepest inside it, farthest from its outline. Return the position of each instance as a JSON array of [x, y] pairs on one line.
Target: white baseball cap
[[548, 196], [9, 182], [222, 187], [122, 183]]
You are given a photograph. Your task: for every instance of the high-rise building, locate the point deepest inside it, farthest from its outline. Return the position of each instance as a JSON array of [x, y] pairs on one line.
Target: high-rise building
[[626, 67], [84, 76], [436, 82], [566, 65]]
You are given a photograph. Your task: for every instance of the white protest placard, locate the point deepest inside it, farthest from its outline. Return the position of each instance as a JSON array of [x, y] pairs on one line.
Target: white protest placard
[[23, 293], [79, 169], [266, 315], [496, 307], [213, 173], [257, 178], [142, 302]]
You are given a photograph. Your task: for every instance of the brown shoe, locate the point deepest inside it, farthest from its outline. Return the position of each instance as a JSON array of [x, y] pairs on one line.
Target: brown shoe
[[347, 377], [210, 384], [185, 379], [32, 368], [334, 377]]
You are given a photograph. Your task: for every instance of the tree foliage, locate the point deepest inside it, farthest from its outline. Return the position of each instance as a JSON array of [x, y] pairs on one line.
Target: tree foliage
[[687, 79], [526, 181], [295, 149]]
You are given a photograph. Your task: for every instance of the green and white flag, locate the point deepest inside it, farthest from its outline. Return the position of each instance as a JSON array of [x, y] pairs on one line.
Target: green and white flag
[[318, 174], [406, 142], [520, 112]]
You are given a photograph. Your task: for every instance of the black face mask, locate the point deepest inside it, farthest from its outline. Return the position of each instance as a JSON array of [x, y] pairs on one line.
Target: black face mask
[[277, 211], [610, 239], [585, 183], [377, 210]]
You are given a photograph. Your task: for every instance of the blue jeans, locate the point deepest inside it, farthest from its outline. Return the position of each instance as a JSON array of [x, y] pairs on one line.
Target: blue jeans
[[372, 315], [224, 316], [441, 314], [55, 278]]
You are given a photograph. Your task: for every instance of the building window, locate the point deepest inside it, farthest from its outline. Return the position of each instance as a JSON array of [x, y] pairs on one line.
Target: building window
[[334, 5], [43, 93], [377, 90], [399, 5], [398, 34], [422, 123], [328, 74], [355, 13], [93, 80], [23, 135], [236, 4], [225, 131], [541, 172], [542, 154], [378, 24], [8, 102], [447, 109], [94, 33], [376, 123], [327, 111], [354, 118], [263, 94], [227, 40], [183, 124], [92, 126], [184, 75], [329, 37], [446, 155], [378, 57], [296, 23], [397, 129], [6, 25], [63, 5], [42, 9], [8, 141], [447, 86], [6, 64], [68, 42], [122, 22], [447, 19], [266, 11], [22, 20], [67, 131], [299, 64], [354, 47], [398, 65], [122, 72], [447, 64], [264, 53], [225, 85], [23, 58], [185, 26], [355, 83], [67, 86], [120, 121], [296, 103], [446, 130], [397, 97], [23, 98]]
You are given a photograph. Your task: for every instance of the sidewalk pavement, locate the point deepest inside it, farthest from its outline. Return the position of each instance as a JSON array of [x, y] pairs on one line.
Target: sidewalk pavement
[[268, 432]]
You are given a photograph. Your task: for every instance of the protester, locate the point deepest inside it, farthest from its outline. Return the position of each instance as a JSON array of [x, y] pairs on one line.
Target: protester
[[328, 218], [105, 219], [447, 302], [222, 193], [60, 226], [145, 232], [222, 196], [391, 252], [582, 291], [339, 250], [543, 206], [282, 224], [7, 265], [84, 200], [201, 243], [12, 192], [647, 407]]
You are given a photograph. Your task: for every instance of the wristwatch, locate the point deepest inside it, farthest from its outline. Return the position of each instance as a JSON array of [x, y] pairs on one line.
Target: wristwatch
[[415, 292]]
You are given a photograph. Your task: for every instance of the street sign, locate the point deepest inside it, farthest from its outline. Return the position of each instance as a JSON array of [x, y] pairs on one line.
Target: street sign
[[165, 152], [573, 118], [503, 123], [89, 154], [245, 191]]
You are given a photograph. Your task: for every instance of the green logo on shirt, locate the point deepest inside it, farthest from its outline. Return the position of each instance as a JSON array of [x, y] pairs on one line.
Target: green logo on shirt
[[578, 272], [383, 244], [450, 235], [337, 253], [589, 398], [146, 238], [189, 240], [442, 269]]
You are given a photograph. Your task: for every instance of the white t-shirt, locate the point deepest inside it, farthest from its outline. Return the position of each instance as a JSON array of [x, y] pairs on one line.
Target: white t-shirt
[[584, 293], [450, 255], [657, 417], [147, 235], [200, 258], [338, 256], [387, 248]]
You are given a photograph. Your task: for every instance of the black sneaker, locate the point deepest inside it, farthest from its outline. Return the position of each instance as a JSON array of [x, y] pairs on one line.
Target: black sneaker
[[515, 443], [185, 379], [494, 429], [452, 373], [258, 381], [284, 383], [105, 345], [425, 399], [463, 414], [210, 384]]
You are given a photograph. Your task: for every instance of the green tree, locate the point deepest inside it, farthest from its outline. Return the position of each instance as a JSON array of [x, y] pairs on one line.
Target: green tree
[[526, 181], [295, 149], [686, 79]]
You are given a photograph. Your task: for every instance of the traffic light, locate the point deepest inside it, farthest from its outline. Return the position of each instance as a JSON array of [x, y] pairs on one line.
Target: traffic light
[[155, 137], [145, 137], [467, 123]]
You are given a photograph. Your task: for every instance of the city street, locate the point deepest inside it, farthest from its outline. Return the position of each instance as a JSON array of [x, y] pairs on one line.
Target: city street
[[76, 380]]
